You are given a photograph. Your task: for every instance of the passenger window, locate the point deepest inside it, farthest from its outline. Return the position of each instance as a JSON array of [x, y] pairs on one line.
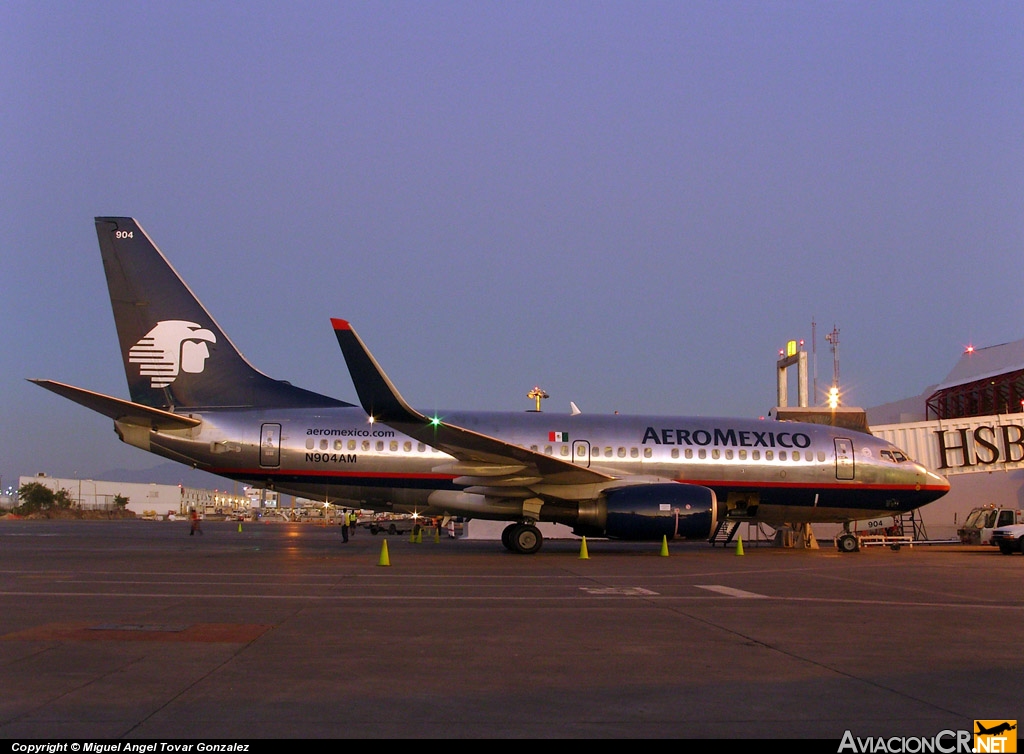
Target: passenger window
[[420, 447], [743, 455], [755, 455], [622, 452], [675, 452], [821, 456], [351, 444], [648, 453], [634, 453], [796, 455], [407, 447], [581, 450], [309, 443], [715, 454], [782, 455], [323, 445], [380, 445], [702, 453], [366, 445], [728, 455], [768, 455], [338, 445], [689, 453]]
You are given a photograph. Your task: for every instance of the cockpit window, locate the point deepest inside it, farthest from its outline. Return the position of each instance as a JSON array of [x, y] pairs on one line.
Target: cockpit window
[[894, 455]]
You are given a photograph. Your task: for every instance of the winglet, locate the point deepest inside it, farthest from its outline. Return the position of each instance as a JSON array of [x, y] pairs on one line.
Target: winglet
[[382, 401], [378, 396]]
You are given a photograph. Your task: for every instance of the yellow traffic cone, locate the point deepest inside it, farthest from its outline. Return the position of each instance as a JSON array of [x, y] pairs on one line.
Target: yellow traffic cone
[[739, 546], [412, 536], [584, 555], [419, 536], [437, 535], [239, 527], [384, 559], [664, 546]]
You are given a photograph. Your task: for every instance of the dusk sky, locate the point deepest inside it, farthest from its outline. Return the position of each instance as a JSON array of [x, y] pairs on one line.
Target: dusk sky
[[633, 205]]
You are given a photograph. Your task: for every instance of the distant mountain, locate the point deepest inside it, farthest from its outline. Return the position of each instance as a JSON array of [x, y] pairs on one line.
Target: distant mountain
[[168, 473]]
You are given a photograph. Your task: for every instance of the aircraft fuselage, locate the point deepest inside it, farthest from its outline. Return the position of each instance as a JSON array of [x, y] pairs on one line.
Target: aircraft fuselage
[[783, 471]]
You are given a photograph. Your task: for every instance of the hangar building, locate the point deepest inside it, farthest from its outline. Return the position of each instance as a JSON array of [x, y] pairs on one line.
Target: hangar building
[[969, 427], [143, 499]]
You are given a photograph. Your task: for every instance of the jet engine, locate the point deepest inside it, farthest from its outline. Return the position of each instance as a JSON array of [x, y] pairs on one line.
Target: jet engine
[[650, 512]]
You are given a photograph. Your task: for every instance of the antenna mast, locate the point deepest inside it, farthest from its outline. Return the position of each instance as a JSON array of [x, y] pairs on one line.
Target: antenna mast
[[833, 392], [814, 357]]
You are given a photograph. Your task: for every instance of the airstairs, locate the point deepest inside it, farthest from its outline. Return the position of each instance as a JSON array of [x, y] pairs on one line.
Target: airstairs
[[725, 531]]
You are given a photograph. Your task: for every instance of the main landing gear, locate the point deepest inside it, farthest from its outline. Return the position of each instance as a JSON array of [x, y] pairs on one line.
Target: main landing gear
[[522, 538]]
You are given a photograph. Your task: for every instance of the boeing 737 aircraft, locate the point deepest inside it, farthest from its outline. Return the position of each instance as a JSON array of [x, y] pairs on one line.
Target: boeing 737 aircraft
[[196, 400]]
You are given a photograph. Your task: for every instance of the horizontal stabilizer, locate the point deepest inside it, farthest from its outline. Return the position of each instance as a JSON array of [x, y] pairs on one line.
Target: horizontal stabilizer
[[120, 410]]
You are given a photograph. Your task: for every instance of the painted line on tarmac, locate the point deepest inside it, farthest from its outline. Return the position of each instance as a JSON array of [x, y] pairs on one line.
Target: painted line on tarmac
[[451, 598], [728, 591]]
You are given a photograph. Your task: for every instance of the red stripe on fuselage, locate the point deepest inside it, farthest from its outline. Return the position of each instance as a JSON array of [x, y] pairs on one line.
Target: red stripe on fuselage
[[330, 473], [743, 484]]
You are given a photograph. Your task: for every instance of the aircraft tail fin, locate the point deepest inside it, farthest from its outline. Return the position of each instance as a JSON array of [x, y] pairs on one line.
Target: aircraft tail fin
[[175, 355]]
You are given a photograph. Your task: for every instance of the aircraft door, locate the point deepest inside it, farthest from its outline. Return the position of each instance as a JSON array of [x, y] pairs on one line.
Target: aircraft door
[[270, 445], [844, 458], [581, 453]]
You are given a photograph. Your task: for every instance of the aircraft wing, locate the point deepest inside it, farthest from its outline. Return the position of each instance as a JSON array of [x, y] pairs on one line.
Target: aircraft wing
[[481, 455], [120, 410]]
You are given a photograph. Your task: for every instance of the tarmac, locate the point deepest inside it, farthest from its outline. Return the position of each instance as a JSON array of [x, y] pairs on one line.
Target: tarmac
[[136, 630]]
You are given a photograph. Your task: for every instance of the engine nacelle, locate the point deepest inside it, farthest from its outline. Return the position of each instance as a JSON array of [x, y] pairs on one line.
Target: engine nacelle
[[650, 512]]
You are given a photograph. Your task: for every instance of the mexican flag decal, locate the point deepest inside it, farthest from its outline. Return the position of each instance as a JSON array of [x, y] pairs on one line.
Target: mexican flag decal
[[558, 437]]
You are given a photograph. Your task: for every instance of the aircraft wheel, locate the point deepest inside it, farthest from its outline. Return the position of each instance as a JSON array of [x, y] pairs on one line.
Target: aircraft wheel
[[506, 537], [847, 543], [526, 539], [392, 530]]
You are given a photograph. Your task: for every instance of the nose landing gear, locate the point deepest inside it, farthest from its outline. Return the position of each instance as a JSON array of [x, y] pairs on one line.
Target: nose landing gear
[[847, 543]]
